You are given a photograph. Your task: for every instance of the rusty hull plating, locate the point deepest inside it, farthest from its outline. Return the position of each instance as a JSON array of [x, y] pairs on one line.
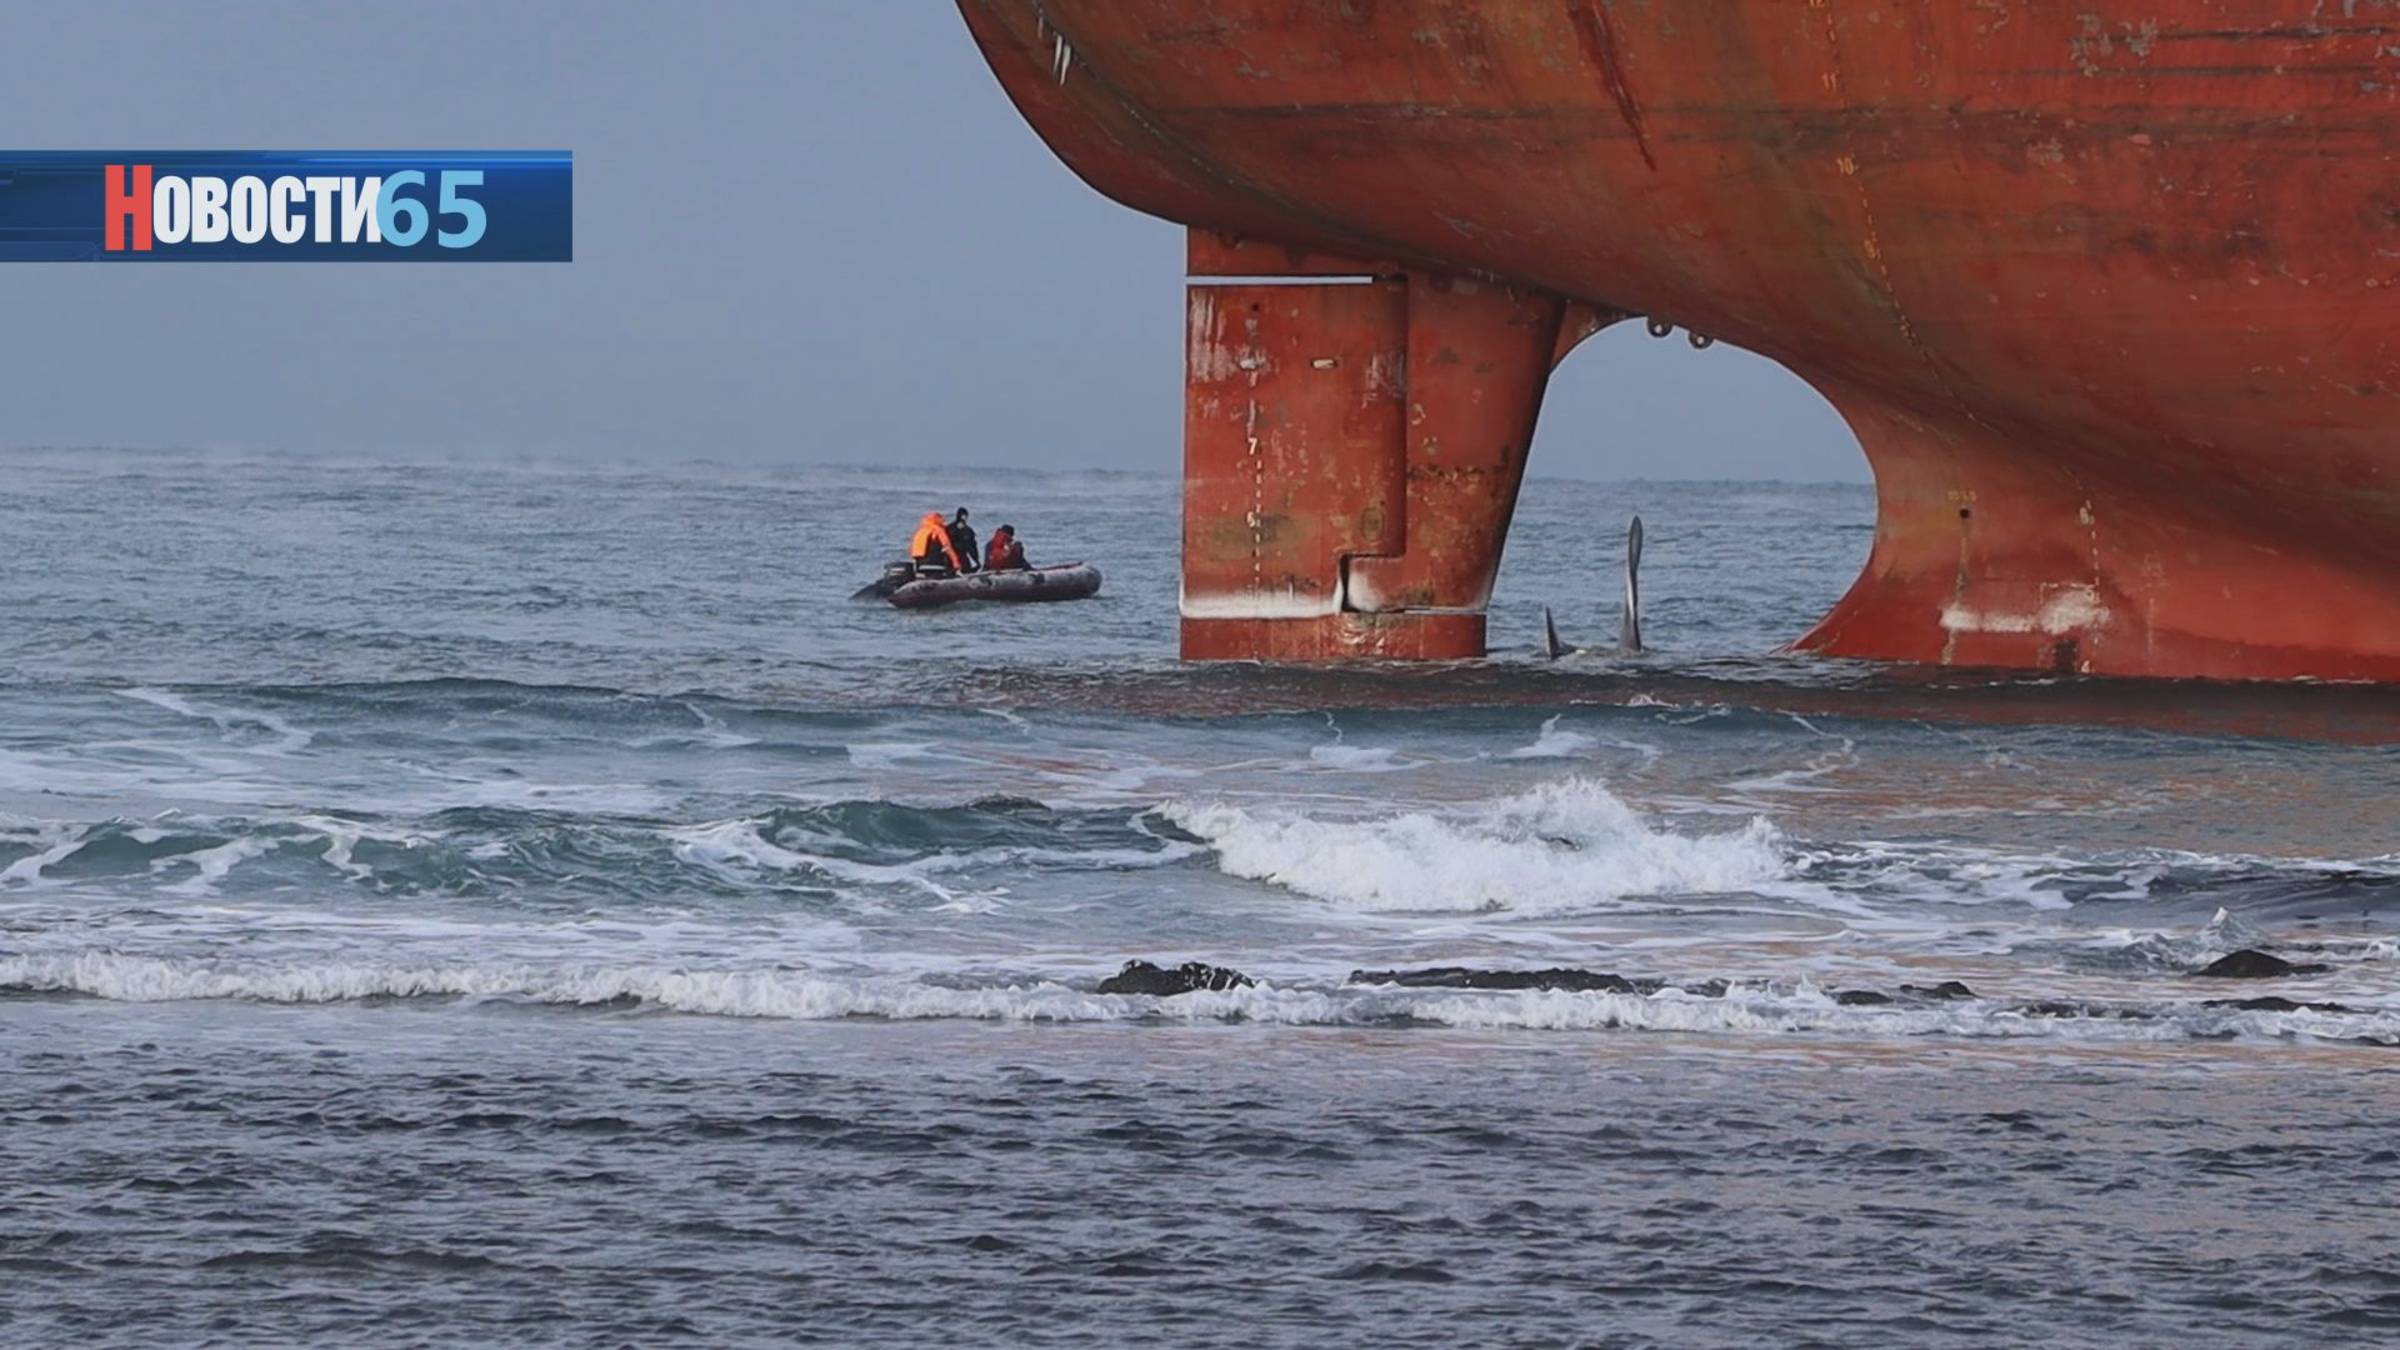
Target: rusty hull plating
[[2109, 292]]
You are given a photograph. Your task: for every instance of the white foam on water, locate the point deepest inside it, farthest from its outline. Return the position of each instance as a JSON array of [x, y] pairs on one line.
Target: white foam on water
[[714, 732], [701, 739], [1805, 778], [1111, 780], [739, 849], [1356, 758], [880, 755], [728, 846], [451, 790], [1951, 873], [1558, 848], [1553, 743], [343, 836], [1944, 874], [2223, 934], [710, 734], [1753, 1011], [212, 865], [1767, 1010], [720, 845], [789, 994], [286, 933], [160, 698], [251, 839], [27, 871], [288, 738]]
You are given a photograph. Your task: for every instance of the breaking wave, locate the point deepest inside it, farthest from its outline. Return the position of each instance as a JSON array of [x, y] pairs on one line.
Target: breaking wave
[[1562, 847]]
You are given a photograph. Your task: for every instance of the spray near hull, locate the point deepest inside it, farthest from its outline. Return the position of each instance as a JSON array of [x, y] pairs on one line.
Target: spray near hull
[[2109, 293]]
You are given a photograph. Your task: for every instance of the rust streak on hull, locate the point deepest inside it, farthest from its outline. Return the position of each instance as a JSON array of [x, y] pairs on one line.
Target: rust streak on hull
[[1599, 43], [2110, 294]]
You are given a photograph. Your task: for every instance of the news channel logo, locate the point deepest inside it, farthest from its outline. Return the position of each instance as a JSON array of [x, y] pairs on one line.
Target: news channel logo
[[287, 206]]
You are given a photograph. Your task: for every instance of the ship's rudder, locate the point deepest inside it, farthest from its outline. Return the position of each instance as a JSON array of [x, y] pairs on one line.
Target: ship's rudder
[[1355, 437]]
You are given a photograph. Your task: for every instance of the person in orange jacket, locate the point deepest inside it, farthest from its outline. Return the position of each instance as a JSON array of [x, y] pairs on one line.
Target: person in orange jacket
[[932, 550], [1004, 554]]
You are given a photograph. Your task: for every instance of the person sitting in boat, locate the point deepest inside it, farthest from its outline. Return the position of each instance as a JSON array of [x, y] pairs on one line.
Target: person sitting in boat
[[1005, 554], [962, 538], [932, 549]]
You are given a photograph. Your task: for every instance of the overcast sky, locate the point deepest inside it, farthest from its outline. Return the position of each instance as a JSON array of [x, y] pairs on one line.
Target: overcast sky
[[808, 230]]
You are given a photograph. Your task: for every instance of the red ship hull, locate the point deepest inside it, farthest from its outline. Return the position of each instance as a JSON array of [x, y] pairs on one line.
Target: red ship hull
[[2110, 294]]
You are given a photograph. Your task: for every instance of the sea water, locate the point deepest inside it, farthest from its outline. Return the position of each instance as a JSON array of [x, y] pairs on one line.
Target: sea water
[[456, 901]]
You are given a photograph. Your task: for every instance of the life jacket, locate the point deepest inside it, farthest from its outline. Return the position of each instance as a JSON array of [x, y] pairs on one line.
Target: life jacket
[[1004, 555], [934, 535]]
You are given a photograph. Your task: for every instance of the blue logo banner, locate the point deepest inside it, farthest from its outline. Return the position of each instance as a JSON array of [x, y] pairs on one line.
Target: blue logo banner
[[287, 206]]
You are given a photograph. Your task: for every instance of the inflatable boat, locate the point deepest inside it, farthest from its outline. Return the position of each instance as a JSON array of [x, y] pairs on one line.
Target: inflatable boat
[[905, 590]]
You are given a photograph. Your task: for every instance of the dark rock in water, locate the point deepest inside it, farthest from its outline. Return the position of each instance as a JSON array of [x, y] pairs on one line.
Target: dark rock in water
[[1004, 803], [2064, 1008], [1946, 990], [2248, 964], [1861, 998], [1426, 1272], [1140, 977], [2275, 1003], [2270, 1003], [1460, 977]]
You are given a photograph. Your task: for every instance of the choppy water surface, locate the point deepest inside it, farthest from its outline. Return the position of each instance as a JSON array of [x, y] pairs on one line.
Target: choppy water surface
[[532, 903]]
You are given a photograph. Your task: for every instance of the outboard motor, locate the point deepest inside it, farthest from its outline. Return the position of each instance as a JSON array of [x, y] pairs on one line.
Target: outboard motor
[[896, 574]]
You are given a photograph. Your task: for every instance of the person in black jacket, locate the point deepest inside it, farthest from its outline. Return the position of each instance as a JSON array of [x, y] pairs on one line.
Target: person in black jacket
[[962, 537]]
